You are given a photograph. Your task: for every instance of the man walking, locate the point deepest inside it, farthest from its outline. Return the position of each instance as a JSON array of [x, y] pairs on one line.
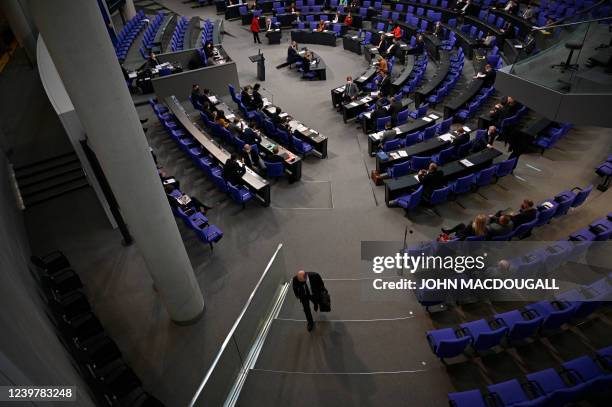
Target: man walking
[[308, 286]]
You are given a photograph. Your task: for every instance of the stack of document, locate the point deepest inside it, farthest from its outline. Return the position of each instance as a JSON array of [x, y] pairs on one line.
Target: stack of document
[[466, 163], [427, 119], [446, 137], [433, 116]]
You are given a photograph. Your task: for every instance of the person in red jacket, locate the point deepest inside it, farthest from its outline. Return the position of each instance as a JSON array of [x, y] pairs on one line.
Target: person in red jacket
[[255, 30]]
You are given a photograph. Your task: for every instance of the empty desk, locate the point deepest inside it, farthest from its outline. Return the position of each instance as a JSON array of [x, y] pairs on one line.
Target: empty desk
[[314, 37], [463, 98]]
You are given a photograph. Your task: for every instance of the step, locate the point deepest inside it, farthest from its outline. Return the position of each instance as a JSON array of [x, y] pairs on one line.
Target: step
[[42, 177], [51, 183], [40, 167], [58, 191]]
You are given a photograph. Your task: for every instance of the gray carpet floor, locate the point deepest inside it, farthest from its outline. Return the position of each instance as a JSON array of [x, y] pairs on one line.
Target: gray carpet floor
[[321, 222]]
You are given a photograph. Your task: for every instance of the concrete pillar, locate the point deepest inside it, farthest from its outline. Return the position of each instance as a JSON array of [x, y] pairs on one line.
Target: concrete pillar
[[79, 45], [129, 10], [20, 21]]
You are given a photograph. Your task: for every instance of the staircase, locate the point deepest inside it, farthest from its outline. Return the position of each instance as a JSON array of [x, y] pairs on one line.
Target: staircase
[[50, 178]]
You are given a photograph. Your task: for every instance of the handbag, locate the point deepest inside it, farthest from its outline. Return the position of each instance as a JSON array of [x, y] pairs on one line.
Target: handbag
[[325, 301]]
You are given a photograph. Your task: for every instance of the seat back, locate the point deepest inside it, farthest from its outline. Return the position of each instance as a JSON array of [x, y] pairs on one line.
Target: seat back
[[274, 169], [523, 230], [419, 163], [413, 138], [392, 145], [485, 177], [545, 215], [487, 340], [439, 196], [452, 348], [524, 329], [505, 167], [381, 122], [463, 184], [582, 196], [555, 319], [564, 204], [402, 117], [399, 170]]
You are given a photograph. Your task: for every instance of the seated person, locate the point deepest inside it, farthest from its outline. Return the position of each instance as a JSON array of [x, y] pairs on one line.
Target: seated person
[[388, 134], [431, 179], [275, 157], [196, 94], [233, 170], [209, 110], [246, 98], [209, 49], [478, 227], [397, 31], [236, 127], [379, 111], [438, 30], [220, 118], [250, 158], [487, 76], [392, 49], [511, 7], [269, 26], [419, 47], [348, 20], [500, 226], [257, 99], [461, 137], [336, 19], [488, 41], [529, 13], [321, 27], [382, 65], [306, 60], [526, 213]]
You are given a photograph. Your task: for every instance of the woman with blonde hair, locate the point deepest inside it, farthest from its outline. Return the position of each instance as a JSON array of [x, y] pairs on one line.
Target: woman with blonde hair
[[478, 227]]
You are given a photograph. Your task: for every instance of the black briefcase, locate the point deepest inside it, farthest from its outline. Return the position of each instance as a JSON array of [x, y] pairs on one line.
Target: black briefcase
[[325, 303]]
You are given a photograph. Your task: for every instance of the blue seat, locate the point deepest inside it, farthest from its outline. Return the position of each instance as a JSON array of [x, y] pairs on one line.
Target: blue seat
[[410, 201], [210, 234], [219, 182], [197, 221], [301, 147], [393, 145], [274, 170], [444, 156], [402, 117], [524, 230], [554, 316], [485, 177], [381, 122], [463, 185], [240, 195], [505, 168], [545, 215], [429, 132], [548, 381], [439, 196], [420, 112], [470, 398], [446, 344], [564, 203], [583, 306], [413, 138], [483, 336], [508, 393], [585, 370], [445, 126], [399, 170], [419, 163], [521, 325], [577, 194]]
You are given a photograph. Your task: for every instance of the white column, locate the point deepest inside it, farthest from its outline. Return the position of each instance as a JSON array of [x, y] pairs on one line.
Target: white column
[[129, 10], [80, 47]]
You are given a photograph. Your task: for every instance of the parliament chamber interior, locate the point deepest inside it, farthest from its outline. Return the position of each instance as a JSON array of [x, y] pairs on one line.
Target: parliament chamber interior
[[306, 203]]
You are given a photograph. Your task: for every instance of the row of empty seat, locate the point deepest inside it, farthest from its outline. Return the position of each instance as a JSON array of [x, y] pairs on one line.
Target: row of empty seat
[[176, 43], [149, 35], [96, 355], [577, 380], [128, 34]]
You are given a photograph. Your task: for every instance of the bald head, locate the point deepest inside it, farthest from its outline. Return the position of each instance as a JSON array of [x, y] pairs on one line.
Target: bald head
[[301, 275]]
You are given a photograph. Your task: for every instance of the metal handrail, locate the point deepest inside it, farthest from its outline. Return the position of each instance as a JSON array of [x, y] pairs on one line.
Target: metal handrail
[[233, 330], [546, 27]]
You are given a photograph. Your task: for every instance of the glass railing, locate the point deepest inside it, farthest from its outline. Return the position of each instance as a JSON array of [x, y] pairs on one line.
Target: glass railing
[[565, 55], [239, 350]]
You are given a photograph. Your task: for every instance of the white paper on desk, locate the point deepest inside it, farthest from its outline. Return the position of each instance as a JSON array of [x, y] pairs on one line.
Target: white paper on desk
[[398, 130], [467, 129], [368, 114], [433, 116], [547, 205], [283, 115], [367, 99], [213, 99], [340, 89], [402, 153], [416, 176], [518, 46], [466, 162], [132, 75], [302, 128], [446, 137], [377, 136], [230, 117], [427, 119], [395, 156], [363, 78], [266, 102], [352, 104], [354, 37]]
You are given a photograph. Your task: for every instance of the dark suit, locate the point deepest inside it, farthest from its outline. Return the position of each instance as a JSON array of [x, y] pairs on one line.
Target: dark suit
[[489, 78], [524, 216], [394, 109], [292, 55], [432, 181], [461, 139], [275, 158], [247, 100], [305, 295], [257, 99], [232, 172], [385, 86], [251, 159]]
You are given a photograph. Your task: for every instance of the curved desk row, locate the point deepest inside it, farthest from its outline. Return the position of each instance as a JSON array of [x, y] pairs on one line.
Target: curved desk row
[[314, 37]]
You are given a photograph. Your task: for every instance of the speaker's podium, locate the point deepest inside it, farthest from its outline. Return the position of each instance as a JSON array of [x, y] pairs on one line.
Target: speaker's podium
[[261, 67]]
